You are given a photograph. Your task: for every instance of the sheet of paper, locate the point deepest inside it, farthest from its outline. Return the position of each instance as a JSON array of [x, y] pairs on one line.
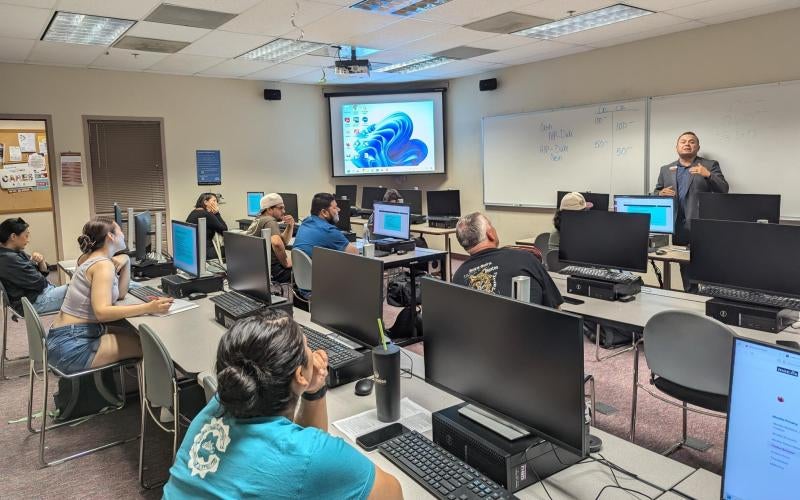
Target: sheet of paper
[[14, 153], [178, 305], [412, 416], [27, 142], [43, 145]]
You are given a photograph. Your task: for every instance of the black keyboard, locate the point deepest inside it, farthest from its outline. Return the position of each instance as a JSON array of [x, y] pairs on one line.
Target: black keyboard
[[145, 292], [751, 297], [600, 274], [236, 303], [338, 354], [438, 471], [145, 262]]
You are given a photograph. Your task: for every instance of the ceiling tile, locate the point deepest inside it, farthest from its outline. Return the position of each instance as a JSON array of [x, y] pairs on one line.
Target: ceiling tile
[[61, 54], [160, 31], [15, 49], [661, 5], [398, 33], [752, 12], [346, 23], [280, 72], [23, 22], [235, 68], [557, 9], [718, 8], [459, 12], [122, 9], [313, 61], [39, 4], [230, 6], [340, 3], [445, 40], [225, 44], [674, 28], [393, 56], [531, 50], [184, 64], [273, 17], [502, 42], [126, 59], [636, 25]]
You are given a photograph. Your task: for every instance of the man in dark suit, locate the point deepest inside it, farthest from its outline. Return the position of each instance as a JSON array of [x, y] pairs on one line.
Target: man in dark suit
[[683, 180]]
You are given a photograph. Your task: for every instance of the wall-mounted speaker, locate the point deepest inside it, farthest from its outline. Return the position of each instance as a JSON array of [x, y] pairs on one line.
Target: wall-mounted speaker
[[489, 84], [272, 94]]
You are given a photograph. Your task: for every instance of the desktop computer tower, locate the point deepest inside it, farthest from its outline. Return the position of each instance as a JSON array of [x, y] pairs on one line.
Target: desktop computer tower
[[180, 287], [514, 464], [227, 319], [757, 317]]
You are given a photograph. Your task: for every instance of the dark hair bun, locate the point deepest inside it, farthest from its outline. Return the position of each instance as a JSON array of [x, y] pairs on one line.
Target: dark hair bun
[[238, 389], [86, 244]]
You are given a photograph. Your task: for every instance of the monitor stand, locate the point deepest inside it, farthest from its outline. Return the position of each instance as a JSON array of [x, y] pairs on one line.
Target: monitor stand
[[496, 424]]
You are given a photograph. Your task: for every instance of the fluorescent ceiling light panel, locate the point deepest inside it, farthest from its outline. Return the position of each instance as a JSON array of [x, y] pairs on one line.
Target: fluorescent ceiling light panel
[[399, 7], [66, 27], [417, 64], [594, 19], [281, 50]]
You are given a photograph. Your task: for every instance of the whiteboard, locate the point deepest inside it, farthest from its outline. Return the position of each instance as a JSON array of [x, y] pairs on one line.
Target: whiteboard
[[753, 132], [528, 157]]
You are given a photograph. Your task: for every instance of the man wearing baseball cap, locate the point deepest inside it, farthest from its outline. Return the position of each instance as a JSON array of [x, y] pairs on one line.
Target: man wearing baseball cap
[[571, 201], [272, 211]]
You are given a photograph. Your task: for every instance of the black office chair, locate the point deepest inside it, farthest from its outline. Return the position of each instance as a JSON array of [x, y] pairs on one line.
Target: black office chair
[[552, 263]]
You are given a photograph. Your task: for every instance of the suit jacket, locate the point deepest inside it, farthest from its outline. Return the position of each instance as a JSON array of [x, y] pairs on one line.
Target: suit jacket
[[715, 183]]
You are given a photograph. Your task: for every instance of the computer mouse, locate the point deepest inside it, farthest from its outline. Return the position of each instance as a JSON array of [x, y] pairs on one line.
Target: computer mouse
[[401, 252], [364, 387], [661, 252], [197, 295]]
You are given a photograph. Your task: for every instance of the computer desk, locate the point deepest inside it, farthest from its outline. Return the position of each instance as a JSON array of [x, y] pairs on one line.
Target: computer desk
[[701, 485], [674, 254]]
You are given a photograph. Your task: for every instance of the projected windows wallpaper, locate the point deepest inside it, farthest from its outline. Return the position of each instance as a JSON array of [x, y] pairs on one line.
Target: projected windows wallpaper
[[388, 137]]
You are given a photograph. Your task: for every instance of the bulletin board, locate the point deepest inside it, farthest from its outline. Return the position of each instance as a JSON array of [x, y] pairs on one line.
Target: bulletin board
[[34, 199]]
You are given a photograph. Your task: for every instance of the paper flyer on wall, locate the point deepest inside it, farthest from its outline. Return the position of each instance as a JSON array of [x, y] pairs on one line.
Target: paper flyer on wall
[[14, 154], [412, 416], [17, 177], [71, 169], [27, 142], [43, 145]]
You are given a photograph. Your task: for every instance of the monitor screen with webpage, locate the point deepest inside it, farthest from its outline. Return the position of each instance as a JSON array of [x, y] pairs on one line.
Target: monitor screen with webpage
[[254, 203], [660, 208], [392, 220], [185, 248]]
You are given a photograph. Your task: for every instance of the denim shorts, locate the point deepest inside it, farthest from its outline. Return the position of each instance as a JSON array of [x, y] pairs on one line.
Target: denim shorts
[[71, 348]]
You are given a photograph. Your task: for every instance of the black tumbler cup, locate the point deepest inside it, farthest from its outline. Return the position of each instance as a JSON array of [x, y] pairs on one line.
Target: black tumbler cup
[[386, 368]]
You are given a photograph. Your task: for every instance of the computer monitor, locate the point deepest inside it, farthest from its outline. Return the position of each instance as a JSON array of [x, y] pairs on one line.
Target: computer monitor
[[740, 207], [599, 201], [247, 265], [760, 458], [290, 202], [141, 225], [344, 214], [412, 198], [660, 208], [746, 255], [118, 215], [392, 220], [254, 203], [370, 195], [186, 248], [348, 190], [519, 360], [605, 239], [444, 203], [348, 294]]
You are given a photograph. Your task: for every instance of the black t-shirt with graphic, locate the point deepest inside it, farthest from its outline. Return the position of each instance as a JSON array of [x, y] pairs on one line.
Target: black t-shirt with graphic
[[492, 271]]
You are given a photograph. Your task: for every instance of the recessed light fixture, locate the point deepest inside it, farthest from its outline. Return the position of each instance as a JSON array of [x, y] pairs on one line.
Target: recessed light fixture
[[281, 50], [417, 64], [594, 19], [398, 7], [67, 27]]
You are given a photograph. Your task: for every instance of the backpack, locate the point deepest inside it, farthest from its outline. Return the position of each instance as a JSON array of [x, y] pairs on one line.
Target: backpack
[[402, 326], [86, 395], [398, 290]]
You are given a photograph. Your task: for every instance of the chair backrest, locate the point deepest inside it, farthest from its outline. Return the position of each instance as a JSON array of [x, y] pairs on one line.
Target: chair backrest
[[36, 334], [159, 371], [301, 269], [690, 349], [209, 382], [542, 242], [551, 261]]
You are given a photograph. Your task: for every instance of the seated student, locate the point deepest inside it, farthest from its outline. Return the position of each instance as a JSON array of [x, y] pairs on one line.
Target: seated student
[[25, 275], [207, 206], [79, 338], [491, 269], [319, 229], [570, 201], [390, 196], [272, 211], [264, 435]]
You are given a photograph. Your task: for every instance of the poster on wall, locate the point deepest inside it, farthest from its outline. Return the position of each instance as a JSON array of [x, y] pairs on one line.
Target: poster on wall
[[17, 178], [71, 169], [209, 167], [43, 146], [27, 142], [14, 154]]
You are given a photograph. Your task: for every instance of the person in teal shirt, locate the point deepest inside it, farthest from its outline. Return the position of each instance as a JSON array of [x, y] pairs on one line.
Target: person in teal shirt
[[264, 435]]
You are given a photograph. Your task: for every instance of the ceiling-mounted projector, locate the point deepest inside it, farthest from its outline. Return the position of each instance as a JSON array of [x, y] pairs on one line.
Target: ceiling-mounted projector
[[352, 66]]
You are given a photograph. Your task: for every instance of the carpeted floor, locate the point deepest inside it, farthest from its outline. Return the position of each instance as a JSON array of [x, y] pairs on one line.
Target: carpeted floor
[[113, 473]]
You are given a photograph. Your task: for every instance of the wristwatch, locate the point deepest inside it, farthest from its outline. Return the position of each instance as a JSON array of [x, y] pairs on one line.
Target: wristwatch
[[313, 396]]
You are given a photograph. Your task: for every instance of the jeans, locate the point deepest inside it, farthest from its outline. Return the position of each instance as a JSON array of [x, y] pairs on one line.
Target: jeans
[[50, 299], [71, 348]]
